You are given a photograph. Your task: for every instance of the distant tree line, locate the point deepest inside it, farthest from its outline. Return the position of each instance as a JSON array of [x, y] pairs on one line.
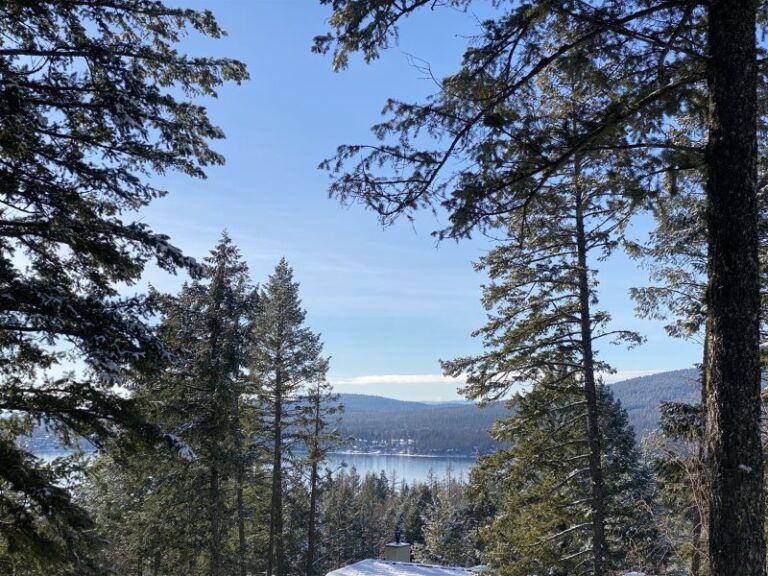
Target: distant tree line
[[459, 430]]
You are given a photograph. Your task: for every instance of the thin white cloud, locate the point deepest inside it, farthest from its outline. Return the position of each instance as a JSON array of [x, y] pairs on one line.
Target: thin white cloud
[[416, 387], [375, 379], [627, 374], [432, 387]]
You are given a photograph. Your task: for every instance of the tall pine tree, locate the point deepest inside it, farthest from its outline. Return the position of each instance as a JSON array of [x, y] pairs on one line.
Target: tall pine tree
[[286, 359], [319, 418], [667, 65], [543, 325], [200, 399]]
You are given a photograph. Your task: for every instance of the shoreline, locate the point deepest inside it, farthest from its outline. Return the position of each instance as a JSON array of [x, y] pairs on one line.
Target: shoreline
[[396, 454]]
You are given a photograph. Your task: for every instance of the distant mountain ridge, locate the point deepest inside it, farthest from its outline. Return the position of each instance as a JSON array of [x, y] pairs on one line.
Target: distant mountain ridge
[[366, 403], [418, 428], [379, 424], [385, 424], [641, 396]]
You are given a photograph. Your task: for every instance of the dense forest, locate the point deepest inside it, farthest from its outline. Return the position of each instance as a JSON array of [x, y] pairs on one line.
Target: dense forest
[[208, 410]]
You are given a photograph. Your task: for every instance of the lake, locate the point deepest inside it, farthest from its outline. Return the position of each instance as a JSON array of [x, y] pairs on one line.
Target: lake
[[399, 467], [403, 467]]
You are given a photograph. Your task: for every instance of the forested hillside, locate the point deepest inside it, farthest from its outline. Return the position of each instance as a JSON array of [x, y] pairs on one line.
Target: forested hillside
[[354, 403], [641, 396], [429, 429], [374, 423]]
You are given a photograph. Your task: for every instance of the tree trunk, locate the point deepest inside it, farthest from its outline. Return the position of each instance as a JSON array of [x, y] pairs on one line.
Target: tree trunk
[[315, 461], [241, 525], [599, 544], [312, 520], [275, 561], [215, 507], [156, 564], [241, 465], [736, 506]]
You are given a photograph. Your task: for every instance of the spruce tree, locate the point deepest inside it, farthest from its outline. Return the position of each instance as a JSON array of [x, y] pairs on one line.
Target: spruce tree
[[95, 98], [540, 488], [414, 500], [666, 68], [200, 400], [286, 357], [340, 531], [208, 329], [449, 528]]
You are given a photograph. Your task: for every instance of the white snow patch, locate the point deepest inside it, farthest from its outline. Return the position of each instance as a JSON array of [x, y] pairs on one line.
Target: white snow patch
[[385, 568]]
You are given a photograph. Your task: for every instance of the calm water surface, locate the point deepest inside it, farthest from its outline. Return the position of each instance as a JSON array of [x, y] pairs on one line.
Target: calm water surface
[[404, 468], [400, 468]]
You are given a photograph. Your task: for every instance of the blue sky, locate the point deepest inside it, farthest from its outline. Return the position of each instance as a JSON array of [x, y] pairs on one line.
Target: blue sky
[[388, 302]]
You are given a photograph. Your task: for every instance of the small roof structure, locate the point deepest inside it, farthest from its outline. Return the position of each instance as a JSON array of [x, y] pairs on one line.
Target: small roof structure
[[372, 567]]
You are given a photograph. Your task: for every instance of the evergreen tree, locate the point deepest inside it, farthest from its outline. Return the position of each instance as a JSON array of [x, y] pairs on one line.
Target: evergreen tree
[[543, 324], [208, 328], [449, 529], [286, 357], [666, 68], [319, 418], [94, 98], [414, 501], [340, 529], [198, 396], [541, 491], [676, 453], [375, 515], [296, 512]]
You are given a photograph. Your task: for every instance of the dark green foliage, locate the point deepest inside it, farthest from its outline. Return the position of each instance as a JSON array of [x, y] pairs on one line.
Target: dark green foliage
[[450, 528], [415, 500], [472, 146], [538, 491], [285, 360], [94, 98], [670, 90], [182, 513]]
